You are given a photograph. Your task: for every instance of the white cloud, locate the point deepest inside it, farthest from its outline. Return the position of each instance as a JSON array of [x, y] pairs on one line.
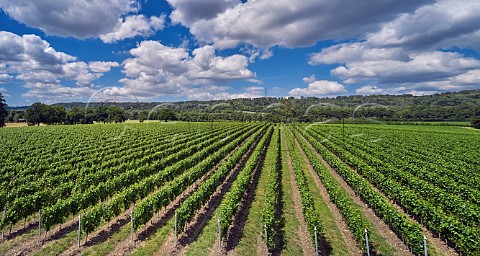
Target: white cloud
[[56, 92], [255, 81], [420, 67], [369, 90], [409, 51], [445, 23], [355, 52], [5, 78], [309, 79], [214, 92], [319, 88], [132, 26], [2, 90], [282, 22], [187, 11], [102, 66], [31, 59], [155, 70], [77, 18], [471, 77]]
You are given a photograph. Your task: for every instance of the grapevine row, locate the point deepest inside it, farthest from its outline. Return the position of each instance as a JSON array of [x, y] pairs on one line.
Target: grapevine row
[[308, 206], [272, 167], [145, 210], [409, 231], [232, 198]]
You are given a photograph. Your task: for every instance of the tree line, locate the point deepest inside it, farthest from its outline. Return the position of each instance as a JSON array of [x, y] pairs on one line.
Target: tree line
[[449, 106], [39, 113]]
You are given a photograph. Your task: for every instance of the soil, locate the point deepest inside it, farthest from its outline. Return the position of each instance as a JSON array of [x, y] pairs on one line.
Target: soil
[[34, 243], [347, 236], [101, 235]]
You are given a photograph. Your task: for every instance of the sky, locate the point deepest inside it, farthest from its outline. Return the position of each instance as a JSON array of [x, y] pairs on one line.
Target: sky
[[174, 50]]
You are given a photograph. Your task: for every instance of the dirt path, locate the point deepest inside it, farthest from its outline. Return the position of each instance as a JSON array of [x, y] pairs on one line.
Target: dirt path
[[21, 228], [303, 234], [381, 227], [101, 235], [32, 244], [235, 232], [440, 247], [342, 226]]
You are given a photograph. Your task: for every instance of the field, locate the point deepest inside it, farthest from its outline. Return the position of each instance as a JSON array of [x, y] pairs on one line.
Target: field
[[232, 188]]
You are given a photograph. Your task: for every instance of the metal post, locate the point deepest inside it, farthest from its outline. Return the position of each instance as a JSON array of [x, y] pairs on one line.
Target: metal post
[[219, 236], [79, 229], [316, 241], [366, 242], [266, 239], [39, 223], [131, 221], [425, 248], [4, 215], [175, 228]]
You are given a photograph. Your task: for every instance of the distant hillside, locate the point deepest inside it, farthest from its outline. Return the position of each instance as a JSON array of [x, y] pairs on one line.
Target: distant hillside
[[458, 106], [448, 106]]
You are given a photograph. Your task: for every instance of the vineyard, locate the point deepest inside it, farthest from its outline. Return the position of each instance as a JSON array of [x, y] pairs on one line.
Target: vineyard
[[240, 188]]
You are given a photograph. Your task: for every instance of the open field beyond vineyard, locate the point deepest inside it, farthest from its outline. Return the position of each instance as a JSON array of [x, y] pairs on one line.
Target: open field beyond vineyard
[[232, 188]]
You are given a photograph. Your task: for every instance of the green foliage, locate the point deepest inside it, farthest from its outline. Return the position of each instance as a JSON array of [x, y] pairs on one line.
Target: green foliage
[[192, 204], [116, 114], [308, 206], [162, 198], [272, 167], [165, 114], [448, 106], [476, 123], [424, 184], [83, 167], [410, 232], [443, 200], [476, 119], [232, 198]]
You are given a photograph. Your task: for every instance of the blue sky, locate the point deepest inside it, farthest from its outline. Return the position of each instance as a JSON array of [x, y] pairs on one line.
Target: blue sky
[[171, 50]]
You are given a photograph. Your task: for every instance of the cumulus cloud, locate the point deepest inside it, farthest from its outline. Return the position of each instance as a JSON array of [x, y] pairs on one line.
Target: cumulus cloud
[[420, 67], [155, 70], [413, 90], [320, 88], [363, 62], [77, 18], [369, 90], [55, 92], [442, 24], [102, 66], [355, 52], [31, 59], [5, 78], [285, 23], [187, 11], [214, 92], [135, 25], [309, 79], [409, 51]]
